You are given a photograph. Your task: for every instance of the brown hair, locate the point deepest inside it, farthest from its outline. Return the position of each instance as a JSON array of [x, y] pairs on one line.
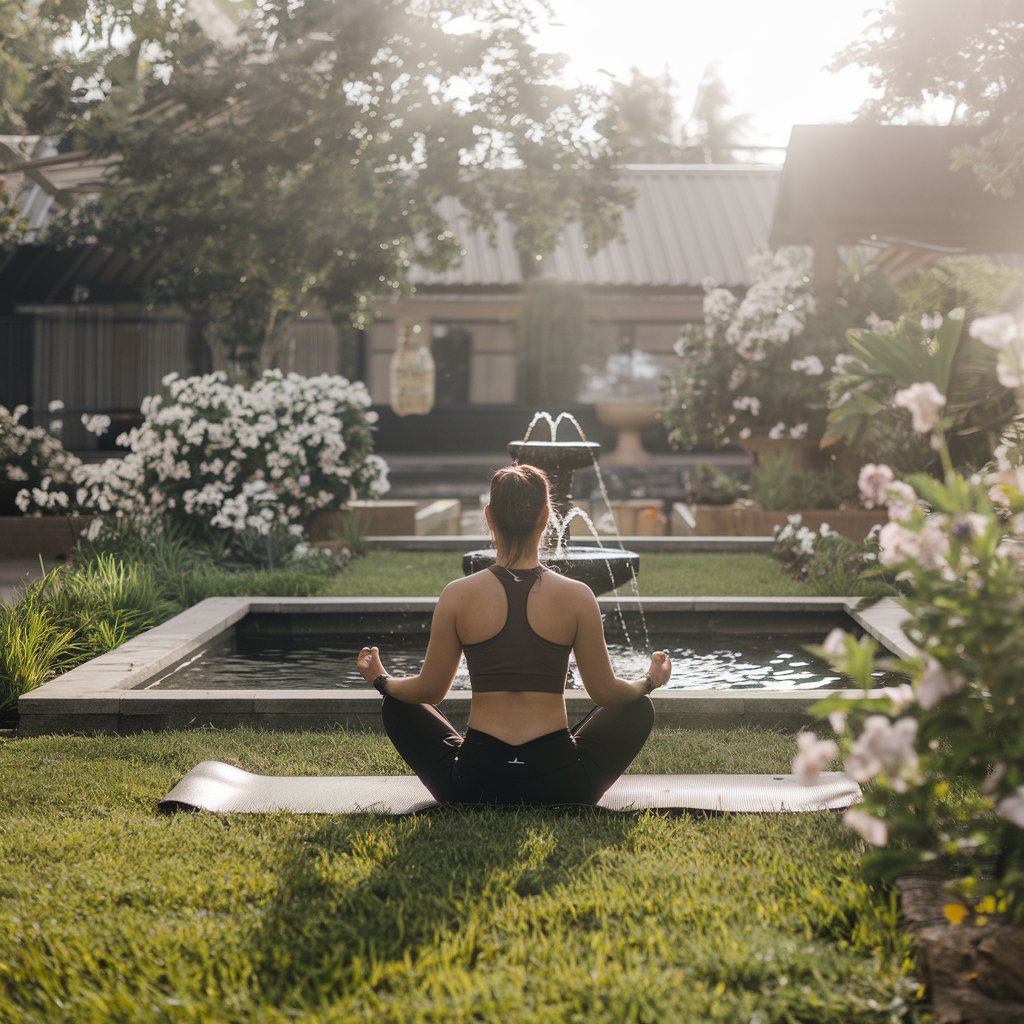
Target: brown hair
[[520, 497]]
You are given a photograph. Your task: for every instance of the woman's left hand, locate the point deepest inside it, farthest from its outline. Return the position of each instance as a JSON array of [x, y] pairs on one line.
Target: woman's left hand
[[369, 664]]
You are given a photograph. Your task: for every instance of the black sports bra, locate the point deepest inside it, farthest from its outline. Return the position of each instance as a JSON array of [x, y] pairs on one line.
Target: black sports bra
[[516, 658]]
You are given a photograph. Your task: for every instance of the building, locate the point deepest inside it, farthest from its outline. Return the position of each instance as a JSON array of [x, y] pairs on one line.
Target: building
[[73, 324]]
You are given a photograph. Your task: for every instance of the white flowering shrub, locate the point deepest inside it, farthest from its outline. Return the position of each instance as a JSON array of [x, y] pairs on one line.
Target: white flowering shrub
[[750, 367], [216, 457], [944, 755], [34, 458]]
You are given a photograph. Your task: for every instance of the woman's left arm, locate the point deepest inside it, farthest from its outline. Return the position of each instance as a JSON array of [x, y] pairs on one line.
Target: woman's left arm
[[439, 667]]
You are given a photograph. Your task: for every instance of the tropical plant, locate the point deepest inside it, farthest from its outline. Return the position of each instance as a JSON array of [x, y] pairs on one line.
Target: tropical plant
[[884, 359]]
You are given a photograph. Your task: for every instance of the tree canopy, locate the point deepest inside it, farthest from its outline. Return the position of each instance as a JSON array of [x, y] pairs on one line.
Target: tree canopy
[[967, 54], [642, 121], [303, 164]]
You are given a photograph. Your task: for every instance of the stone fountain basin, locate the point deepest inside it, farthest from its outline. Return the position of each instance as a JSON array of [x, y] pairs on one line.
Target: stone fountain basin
[[601, 569], [113, 694]]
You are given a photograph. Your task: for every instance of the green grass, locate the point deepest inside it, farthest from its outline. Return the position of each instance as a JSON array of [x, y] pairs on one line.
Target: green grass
[[111, 912], [419, 574]]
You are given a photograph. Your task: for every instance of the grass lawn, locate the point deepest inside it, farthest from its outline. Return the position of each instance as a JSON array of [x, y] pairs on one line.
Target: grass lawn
[[110, 911], [419, 574]]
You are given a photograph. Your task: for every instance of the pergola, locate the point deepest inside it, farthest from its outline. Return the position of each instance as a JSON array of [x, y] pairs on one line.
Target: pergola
[[890, 187]]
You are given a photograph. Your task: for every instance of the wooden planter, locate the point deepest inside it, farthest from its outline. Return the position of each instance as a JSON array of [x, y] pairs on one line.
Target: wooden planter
[[25, 538], [730, 521]]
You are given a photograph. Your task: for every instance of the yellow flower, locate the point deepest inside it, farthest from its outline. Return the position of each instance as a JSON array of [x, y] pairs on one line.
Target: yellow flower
[[955, 912]]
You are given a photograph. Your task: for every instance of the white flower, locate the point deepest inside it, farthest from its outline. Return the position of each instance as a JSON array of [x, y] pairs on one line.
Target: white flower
[[998, 331], [16, 474], [779, 430], [96, 424], [55, 406], [885, 747], [799, 431], [835, 644], [747, 403], [873, 482], [1011, 808], [925, 403], [931, 323], [19, 411], [812, 756], [56, 426], [935, 683], [837, 719], [810, 365], [867, 826], [879, 326]]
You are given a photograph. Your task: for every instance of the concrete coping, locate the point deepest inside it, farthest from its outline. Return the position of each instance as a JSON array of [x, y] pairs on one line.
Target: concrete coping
[[109, 685]]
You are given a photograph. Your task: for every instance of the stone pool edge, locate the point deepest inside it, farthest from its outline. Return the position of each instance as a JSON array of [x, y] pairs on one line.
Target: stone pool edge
[[101, 696]]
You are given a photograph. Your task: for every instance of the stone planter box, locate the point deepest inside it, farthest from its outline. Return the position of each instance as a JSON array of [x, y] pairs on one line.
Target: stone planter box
[[730, 521], [27, 537]]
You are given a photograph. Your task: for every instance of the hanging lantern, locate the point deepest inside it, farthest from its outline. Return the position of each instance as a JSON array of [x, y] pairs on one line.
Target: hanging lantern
[[412, 372]]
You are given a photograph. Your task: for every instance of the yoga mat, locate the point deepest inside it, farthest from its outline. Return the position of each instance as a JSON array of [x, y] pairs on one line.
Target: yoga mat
[[219, 787]]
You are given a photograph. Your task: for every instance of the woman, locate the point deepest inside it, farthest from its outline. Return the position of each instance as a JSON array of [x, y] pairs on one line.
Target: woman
[[517, 623]]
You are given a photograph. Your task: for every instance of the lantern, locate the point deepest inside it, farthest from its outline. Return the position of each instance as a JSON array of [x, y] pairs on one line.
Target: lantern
[[412, 372]]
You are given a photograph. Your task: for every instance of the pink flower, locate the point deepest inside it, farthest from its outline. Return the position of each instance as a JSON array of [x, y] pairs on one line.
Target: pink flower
[[873, 483], [884, 746], [897, 544], [867, 826], [925, 403], [900, 500], [902, 696], [935, 684], [812, 756]]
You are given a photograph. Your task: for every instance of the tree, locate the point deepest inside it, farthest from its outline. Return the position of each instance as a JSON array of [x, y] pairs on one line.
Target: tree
[[965, 54], [643, 123], [61, 58], [304, 165]]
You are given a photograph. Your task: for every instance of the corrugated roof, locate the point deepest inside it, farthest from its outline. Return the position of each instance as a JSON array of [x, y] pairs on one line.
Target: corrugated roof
[[688, 223]]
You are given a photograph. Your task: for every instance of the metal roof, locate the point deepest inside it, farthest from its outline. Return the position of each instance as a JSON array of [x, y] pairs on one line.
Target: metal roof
[[688, 223]]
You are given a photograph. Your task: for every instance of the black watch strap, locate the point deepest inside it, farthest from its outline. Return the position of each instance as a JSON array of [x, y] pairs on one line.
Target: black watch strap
[[379, 682]]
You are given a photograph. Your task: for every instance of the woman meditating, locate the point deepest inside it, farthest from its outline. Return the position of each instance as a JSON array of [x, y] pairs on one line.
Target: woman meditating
[[517, 623]]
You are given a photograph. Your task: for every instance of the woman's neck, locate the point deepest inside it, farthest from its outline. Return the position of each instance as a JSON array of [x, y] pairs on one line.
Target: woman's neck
[[527, 560]]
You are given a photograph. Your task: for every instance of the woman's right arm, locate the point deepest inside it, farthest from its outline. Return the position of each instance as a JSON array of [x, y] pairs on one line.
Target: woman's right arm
[[595, 668]]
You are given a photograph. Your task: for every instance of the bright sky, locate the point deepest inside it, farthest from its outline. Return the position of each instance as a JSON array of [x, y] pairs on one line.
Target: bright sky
[[770, 53]]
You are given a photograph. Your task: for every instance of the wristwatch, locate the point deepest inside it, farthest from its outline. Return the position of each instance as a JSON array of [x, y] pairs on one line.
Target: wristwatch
[[378, 684]]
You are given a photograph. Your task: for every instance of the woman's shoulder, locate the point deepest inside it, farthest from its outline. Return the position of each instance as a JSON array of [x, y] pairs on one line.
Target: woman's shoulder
[[567, 586]]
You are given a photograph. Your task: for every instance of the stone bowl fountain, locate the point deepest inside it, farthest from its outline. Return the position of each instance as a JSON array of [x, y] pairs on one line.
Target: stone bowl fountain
[[600, 568]]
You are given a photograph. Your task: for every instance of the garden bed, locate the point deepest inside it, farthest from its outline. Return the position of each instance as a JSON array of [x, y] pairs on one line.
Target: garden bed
[[735, 521]]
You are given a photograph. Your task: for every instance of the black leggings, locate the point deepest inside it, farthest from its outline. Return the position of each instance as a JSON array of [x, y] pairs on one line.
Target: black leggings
[[564, 767]]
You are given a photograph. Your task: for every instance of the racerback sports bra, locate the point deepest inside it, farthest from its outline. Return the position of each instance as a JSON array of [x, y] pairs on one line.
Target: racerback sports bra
[[516, 658]]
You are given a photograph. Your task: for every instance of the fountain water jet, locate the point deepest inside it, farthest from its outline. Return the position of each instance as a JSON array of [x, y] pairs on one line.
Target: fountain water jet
[[600, 568]]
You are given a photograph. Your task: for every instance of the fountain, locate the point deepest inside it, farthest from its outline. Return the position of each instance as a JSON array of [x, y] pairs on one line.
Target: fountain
[[600, 568]]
